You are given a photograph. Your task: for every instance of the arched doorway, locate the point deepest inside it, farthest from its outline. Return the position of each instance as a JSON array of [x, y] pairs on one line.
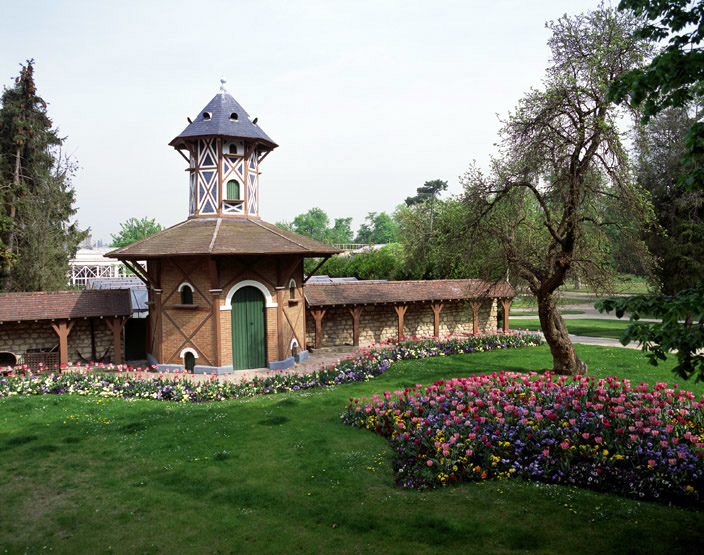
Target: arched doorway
[[248, 329]]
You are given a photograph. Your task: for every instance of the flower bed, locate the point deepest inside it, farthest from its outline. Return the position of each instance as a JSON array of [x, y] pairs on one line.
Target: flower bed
[[364, 366], [608, 435]]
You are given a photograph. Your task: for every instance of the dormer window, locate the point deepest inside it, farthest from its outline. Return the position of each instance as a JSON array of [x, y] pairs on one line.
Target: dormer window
[[234, 116], [233, 190], [207, 116]]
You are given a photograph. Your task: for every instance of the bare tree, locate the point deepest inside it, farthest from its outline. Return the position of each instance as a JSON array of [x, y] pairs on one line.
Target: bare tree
[[562, 177]]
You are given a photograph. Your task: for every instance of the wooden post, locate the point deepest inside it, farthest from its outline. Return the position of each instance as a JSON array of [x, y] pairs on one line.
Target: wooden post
[[400, 312], [437, 307], [506, 303], [116, 325], [318, 314], [355, 311], [62, 329], [475, 317]]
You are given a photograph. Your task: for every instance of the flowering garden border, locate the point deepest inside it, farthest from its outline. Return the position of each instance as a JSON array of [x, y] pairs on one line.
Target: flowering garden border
[[362, 367], [605, 434]]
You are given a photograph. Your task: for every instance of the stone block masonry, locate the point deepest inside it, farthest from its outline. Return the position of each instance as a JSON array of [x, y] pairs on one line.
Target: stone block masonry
[[380, 323]]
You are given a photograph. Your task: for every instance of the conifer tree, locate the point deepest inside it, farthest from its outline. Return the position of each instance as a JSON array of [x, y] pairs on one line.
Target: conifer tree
[[37, 238]]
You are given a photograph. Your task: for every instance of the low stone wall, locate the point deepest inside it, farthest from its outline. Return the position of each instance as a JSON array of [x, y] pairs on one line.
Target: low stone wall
[[19, 337], [380, 322]]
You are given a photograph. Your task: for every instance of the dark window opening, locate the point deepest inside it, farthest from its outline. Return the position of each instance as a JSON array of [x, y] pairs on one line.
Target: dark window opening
[[233, 148], [186, 295], [234, 116], [207, 116]]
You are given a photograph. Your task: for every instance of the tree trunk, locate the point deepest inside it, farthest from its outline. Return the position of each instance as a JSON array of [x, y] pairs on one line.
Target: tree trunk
[[565, 359]]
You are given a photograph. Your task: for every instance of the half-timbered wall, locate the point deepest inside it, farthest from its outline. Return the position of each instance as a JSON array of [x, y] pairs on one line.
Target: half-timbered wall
[[211, 167], [184, 327], [380, 322]]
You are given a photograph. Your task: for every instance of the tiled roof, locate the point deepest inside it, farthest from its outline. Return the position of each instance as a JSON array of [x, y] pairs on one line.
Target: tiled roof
[[361, 292], [55, 305], [220, 122], [222, 236]]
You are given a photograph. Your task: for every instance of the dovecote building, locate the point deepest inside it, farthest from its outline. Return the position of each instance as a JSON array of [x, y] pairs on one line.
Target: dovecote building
[[225, 287]]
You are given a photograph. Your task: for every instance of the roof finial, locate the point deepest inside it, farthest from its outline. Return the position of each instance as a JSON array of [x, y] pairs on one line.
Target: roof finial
[[222, 85]]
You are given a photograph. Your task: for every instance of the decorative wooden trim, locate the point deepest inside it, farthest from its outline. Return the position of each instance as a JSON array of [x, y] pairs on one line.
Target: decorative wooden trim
[[355, 312], [436, 307], [317, 314], [400, 312]]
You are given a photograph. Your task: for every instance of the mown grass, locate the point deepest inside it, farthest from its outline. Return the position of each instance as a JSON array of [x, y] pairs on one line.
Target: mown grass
[[588, 327], [535, 312], [282, 474]]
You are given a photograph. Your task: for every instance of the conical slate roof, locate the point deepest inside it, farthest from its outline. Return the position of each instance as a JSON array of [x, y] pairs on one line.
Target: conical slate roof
[[223, 116]]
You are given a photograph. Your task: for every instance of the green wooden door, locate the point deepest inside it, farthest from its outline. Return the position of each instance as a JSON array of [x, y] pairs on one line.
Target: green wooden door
[[248, 329]]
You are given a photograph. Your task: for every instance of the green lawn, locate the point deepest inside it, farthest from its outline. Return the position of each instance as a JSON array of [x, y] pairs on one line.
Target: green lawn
[[589, 327], [280, 473], [535, 312]]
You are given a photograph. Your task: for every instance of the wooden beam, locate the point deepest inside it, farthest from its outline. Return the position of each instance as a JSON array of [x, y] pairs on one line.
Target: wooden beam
[[325, 259], [400, 312], [318, 314], [506, 303], [355, 312], [437, 307], [215, 307]]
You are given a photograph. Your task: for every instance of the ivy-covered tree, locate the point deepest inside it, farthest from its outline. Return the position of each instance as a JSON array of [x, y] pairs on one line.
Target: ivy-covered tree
[[132, 230], [37, 237]]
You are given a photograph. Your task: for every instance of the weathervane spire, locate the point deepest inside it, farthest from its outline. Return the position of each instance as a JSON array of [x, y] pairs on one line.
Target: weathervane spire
[[222, 85]]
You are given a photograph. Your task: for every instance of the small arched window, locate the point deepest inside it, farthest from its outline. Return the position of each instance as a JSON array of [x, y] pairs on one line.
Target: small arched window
[[186, 294], [189, 361], [233, 190], [292, 289], [233, 148]]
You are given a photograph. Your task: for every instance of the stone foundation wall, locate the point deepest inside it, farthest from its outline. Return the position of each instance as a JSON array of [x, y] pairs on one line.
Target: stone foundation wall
[[19, 337], [379, 322]]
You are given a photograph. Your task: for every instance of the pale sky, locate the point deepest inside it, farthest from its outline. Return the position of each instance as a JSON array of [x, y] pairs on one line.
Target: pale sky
[[366, 99]]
